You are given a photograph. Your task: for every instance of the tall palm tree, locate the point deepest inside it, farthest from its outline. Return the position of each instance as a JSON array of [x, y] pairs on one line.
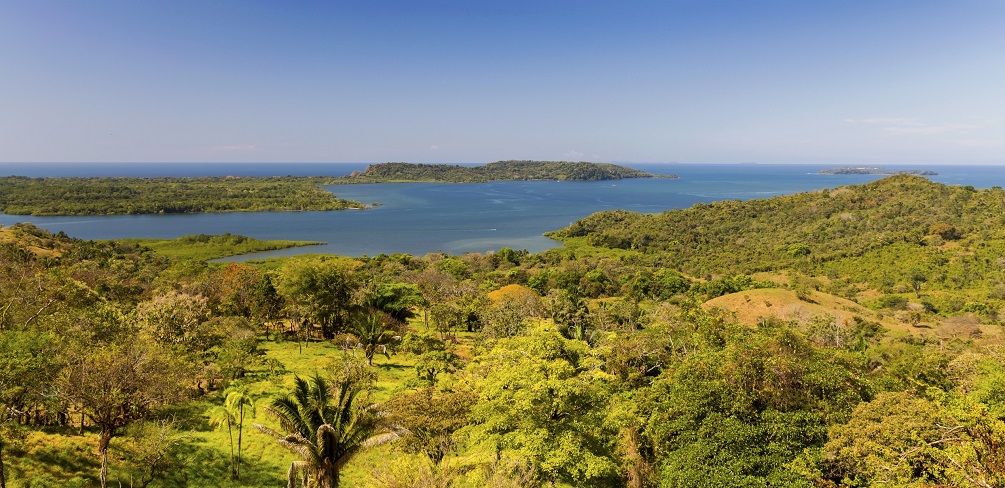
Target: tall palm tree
[[324, 426], [232, 415]]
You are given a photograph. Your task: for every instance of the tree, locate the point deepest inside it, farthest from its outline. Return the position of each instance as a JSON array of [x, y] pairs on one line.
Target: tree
[[325, 425], [569, 310], [232, 414], [510, 308], [28, 363], [325, 290], [155, 448], [373, 334], [266, 302], [917, 277], [886, 440], [541, 399], [238, 284], [177, 320], [119, 383], [238, 350], [735, 413], [395, 299], [431, 417]]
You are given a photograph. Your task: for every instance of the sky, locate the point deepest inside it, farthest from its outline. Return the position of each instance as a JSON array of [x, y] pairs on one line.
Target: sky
[[692, 81]]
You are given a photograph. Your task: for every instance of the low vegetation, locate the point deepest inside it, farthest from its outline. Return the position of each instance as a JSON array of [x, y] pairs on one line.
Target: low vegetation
[[842, 338]]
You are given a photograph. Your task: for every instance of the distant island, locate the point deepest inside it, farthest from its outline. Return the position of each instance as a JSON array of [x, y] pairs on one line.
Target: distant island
[[875, 170], [497, 171]]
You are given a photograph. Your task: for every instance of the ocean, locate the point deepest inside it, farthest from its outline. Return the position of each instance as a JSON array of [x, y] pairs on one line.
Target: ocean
[[419, 218]]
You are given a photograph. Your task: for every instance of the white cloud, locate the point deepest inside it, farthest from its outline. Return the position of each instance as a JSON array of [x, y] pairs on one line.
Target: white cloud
[[573, 155], [434, 147]]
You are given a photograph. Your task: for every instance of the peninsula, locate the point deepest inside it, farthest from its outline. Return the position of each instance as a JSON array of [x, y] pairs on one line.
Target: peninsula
[[20, 195], [497, 171]]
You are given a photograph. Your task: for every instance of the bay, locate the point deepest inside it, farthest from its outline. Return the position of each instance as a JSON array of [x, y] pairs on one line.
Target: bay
[[419, 218]]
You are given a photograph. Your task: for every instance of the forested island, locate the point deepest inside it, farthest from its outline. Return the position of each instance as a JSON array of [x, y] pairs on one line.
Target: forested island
[[121, 196], [497, 171], [839, 338], [861, 170], [21, 195]]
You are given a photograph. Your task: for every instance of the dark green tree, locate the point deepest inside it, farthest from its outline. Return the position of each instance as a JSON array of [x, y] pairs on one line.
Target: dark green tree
[[325, 425], [324, 291], [395, 299]]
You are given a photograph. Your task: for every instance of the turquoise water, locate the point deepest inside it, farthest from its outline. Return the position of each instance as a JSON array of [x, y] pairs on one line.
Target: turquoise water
[[418, 218]]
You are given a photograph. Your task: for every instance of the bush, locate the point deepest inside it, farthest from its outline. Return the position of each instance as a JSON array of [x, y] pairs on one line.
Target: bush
[[892, 302]]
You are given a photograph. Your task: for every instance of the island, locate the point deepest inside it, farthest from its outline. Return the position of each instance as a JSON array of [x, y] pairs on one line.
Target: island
[[875, 170], [497, 171], [20, 195]]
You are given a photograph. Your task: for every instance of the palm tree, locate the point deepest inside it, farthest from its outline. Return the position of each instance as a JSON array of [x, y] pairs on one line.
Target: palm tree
[[324, 426], [232, 415], [373, 335]]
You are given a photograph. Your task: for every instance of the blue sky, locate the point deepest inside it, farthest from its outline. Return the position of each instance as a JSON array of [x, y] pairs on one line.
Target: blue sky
[[810, 81]]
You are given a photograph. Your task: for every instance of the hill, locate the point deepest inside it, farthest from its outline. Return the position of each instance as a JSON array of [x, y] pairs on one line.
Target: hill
[[498, 171], [806, 229], [751, 306]]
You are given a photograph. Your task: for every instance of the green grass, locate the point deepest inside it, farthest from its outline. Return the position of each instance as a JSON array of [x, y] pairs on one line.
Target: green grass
[[203, 247]]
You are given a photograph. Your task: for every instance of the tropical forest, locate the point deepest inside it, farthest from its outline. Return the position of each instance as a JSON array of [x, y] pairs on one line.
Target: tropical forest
[[847, 337]]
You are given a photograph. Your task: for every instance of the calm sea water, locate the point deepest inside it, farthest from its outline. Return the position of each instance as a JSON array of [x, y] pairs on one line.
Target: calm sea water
[[418, 218]]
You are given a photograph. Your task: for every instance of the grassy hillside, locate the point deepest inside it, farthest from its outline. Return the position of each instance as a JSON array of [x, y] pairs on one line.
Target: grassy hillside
[[850, 232], [752, 306]]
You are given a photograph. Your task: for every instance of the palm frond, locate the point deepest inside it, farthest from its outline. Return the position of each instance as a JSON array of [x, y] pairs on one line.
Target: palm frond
[[381, 439], [325, 426], [267, 431]]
